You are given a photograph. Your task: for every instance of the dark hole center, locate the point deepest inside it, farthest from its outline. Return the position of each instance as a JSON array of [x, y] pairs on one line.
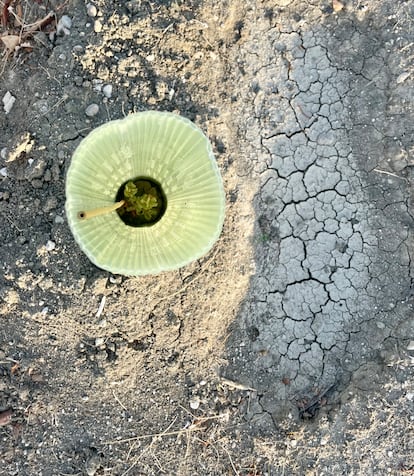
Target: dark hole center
[[145, 202]]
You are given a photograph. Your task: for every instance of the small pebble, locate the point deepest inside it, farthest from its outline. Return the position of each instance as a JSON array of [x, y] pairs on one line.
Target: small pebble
[[194, 403], [50, 245], [92, 110], [59, 220], [66, 21], [50, 204], [8, 101], [91, 10], [403, 76], [107, 90], [92, 465], [64, 25], [99, 341], [97, 26], [3, 172], [3, 153]]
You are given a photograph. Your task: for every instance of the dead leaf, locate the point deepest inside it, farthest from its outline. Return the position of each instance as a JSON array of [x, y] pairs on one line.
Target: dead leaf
[[35, 375], [15, 368], [337, 6], [11, 42], [237, 385], [5, 417], [22, 146], [403, 76]]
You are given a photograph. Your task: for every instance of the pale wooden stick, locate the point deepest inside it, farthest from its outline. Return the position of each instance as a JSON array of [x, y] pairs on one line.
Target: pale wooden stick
[[85, 215]]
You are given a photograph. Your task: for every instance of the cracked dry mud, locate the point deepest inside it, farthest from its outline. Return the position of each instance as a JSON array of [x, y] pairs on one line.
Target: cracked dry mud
[[286, 350]]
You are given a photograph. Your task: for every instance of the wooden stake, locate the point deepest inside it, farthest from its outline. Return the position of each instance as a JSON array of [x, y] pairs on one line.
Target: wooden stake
[[85, 215]]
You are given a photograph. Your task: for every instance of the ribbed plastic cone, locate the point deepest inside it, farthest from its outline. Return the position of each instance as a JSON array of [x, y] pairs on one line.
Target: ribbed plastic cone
[[164, 147]]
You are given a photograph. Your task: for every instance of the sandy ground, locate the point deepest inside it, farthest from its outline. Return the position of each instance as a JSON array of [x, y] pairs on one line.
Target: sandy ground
[[288, 349]]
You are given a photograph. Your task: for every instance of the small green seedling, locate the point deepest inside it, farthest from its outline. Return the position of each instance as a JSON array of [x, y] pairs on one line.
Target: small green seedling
[[144, 202]]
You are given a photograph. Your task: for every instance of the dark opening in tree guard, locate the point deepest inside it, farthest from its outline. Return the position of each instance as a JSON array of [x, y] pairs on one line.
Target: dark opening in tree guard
[[145, 202]]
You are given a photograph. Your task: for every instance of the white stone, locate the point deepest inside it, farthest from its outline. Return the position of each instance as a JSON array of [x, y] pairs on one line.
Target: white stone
[[92, 110], [66, 21], [107, 90], [194, 403], [99, 341], [64, 25], [97, 26], [8, 101], [91, 10], [50, 245]]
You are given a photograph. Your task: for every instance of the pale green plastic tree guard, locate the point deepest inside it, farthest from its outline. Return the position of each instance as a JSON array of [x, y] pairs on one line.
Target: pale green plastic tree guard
[[172, 151]]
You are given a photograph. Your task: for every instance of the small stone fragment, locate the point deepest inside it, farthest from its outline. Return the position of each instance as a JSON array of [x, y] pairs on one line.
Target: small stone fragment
[[133, 6], [99, 341], [59, 220], [403, 76], [8, 101], [91, 10], [3, 172], [194, 403], [11, 42], [97, 26], [50, 245], [92, 465], [337, 6], [50, 204], [66, 21], [107, 90], [64, 25], [92, 110]]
